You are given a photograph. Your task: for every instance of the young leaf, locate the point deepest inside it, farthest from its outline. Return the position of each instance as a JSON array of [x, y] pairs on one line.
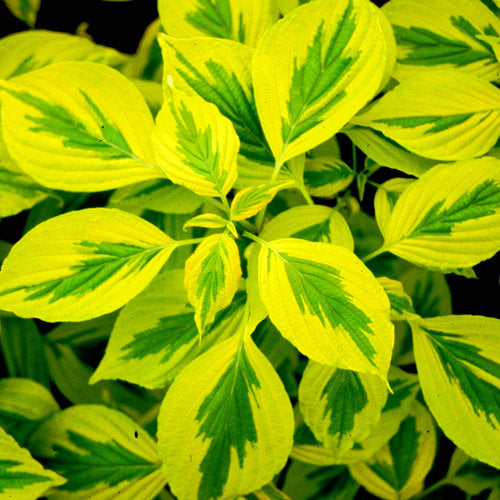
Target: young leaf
[[211, 221], [21, 475], [158, 195], [443, 34], [195, 145], [226, 424], [19, 192], [398, 470], [312, 223], [387, 153], [155, 335], [244, 21], [101, 452], [324, 300], [401, 305], [219, 71], [268, 492], [26, 10], [340, 406], [453, 228], [249, 201], [23, 404], [78, 126], [29, 50], [458, 361], [71, 267], [325, 176], [313, 70], [212, 275], [443, 115]]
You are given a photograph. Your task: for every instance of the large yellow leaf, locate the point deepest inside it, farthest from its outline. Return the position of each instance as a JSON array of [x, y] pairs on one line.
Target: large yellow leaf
[[78, 126], [81, 265], [327, 303], [226, 424], [314, 69], [450, 217], [444, 115]]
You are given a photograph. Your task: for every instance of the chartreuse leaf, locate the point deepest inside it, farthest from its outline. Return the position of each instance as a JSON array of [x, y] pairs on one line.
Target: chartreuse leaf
[[449, 229], [158, 195], [445, 34], [458, 361], [211, 221], [268, 492], [101, 452], [398, 470], [21, 476], [219, 71], [78, 126], [401, 305], [26, 10], [82, 264], [225, 427], [443, 115], [244, 21], [23, 404], [324, 300], [387, 153], [155, 335], [325, 176], [29, 50], [386, 197], [312, 223], [250, 200], [195, 145], [471, 475], [340, 406], [211, 277], [313, 70], [405, 388], [19, 192]]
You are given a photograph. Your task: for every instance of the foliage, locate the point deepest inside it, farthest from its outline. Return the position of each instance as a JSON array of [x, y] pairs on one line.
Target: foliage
[[265, 335]]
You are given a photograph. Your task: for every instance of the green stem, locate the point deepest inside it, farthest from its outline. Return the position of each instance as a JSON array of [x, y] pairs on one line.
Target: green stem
[[374, 254], [193, 241], [432, 487], [276, 170], [305, 194], [253, 237], [354, 158], [214, 202]]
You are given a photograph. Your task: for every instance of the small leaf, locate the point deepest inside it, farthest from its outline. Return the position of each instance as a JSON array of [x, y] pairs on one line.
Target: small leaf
[[442, 115], [458, 361], [100, 451], [195, 145], [443, 34], [69, 268], [325, 176], [244, 21], [455, 228], [21, 475], [324, 300], [401, 305], [398, 470], [251, 200], [212, 275], [313, 70], [78, 126], [26, 10], [226, 424], [209, 221], [340, 406]]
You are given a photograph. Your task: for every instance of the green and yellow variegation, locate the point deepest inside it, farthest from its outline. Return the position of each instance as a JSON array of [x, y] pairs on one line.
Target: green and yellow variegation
[[82, 264], [401, 304], [443, 115], [458, 361], [443, 34], [455, 227], [226, 424], [244, 21], [324, 300], [78, 126], [195, 145], [398, 470], [325, 176], [313, 70], [26, 10], [212, 275], [340, 406], [22, 477], [101, 452]]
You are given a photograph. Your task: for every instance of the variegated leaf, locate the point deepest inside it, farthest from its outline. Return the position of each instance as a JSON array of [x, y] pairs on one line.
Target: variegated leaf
[[325, 176]]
